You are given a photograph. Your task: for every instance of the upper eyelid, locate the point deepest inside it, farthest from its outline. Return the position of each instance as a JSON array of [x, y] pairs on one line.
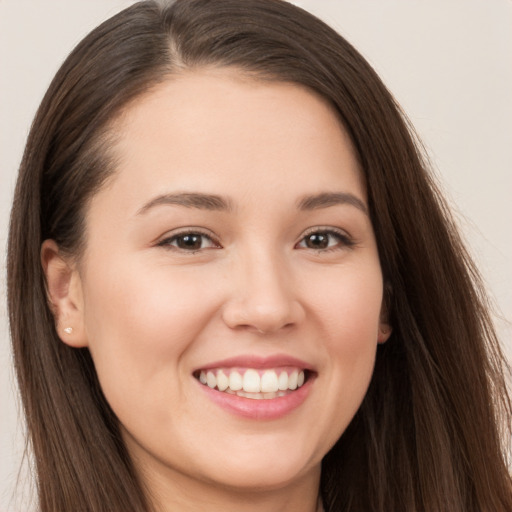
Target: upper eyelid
[[346, 239], [209, 234], [187, 231], [325, 229]]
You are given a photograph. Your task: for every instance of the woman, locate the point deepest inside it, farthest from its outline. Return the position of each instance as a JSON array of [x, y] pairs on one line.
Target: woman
[[233, 284]]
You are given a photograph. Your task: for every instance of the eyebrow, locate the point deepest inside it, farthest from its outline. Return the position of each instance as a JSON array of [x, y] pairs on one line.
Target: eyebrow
[[214, 202], [327, 199], [189, 200]]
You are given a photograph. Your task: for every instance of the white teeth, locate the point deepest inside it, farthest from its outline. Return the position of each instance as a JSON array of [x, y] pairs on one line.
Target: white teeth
[[269, 382], [250, 384], [254, 396], [283, 381], [292, 380], [251, 381], [235, 381], [211, 380], [222, 381], [257, 396]]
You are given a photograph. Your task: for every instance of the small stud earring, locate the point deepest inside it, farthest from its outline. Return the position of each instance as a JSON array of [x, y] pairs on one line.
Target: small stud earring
[[68, 330]]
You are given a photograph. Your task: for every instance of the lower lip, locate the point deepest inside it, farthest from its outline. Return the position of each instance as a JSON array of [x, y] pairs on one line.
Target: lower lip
[[264, 409]]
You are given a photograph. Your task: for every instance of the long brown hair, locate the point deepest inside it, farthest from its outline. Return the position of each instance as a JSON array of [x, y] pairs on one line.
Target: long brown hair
[[430, 433]]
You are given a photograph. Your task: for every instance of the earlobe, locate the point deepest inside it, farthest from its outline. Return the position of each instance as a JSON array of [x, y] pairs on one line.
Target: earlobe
[[385, 331], [64, 292], [385, 328]]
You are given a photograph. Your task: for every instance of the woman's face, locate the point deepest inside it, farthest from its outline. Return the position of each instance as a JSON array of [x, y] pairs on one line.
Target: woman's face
[[233, 246]]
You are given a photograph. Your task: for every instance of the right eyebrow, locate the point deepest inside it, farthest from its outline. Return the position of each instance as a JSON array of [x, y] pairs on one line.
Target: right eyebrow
[[328, 199], [189, 200]]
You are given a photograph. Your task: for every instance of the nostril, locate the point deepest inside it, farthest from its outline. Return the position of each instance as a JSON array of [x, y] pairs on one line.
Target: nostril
[[262, 321], [265, 304], [259, 330]]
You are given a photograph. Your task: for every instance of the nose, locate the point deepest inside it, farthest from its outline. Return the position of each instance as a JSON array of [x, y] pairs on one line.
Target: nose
[[263, 295]]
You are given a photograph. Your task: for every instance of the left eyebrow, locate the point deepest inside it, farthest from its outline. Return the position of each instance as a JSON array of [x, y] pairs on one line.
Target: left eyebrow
[[327, 199], [189, 200]]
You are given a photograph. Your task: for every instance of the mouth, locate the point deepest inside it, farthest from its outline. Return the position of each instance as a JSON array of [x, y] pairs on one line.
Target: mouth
[[254, 383]]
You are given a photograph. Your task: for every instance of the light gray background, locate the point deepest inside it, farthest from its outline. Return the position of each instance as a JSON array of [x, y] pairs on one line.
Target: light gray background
[[448, 62]]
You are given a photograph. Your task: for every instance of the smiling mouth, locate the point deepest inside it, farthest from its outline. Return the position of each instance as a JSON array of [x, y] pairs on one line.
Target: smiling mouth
[[253, 383]]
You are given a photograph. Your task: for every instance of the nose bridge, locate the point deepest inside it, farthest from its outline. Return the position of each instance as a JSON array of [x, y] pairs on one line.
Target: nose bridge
[[263, 295]]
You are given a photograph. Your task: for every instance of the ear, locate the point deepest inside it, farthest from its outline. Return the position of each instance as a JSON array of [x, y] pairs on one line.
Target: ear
[[64, 291], [385, 331], [385, 328]]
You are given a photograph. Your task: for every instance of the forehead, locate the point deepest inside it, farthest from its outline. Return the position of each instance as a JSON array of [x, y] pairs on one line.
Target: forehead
[[218, 129]]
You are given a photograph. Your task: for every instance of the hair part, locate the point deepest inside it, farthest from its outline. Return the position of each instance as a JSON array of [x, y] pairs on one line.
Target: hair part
[[427, 436]]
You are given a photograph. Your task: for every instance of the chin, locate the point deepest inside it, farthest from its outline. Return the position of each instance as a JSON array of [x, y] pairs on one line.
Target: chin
[[262, 470], [267, 477]]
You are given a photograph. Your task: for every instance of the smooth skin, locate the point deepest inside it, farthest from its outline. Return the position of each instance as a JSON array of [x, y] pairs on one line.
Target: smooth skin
[[283, 260]]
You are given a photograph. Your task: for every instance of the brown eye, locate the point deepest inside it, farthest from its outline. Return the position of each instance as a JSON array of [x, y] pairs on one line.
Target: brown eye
[[317, 241], [325, 240], [189, 242]]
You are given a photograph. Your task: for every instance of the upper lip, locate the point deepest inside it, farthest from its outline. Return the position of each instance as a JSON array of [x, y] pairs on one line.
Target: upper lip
[[258, 362]]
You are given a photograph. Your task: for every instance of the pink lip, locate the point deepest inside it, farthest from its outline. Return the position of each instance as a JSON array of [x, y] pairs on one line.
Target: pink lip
[[257, 362], [269, 409]]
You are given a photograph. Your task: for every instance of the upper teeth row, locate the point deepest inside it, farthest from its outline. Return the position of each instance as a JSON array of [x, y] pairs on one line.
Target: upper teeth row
[[270, 380]]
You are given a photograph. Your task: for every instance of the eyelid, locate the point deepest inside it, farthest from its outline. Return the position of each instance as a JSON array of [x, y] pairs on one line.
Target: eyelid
[[346, 239], [164, 241]]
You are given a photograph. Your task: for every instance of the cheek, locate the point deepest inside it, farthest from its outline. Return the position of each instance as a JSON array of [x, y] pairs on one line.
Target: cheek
[[349, 305], [348, 314], [140, 324]]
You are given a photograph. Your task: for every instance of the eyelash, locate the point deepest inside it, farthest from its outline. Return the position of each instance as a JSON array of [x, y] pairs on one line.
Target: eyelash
[[344, 240], [169, 241]]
